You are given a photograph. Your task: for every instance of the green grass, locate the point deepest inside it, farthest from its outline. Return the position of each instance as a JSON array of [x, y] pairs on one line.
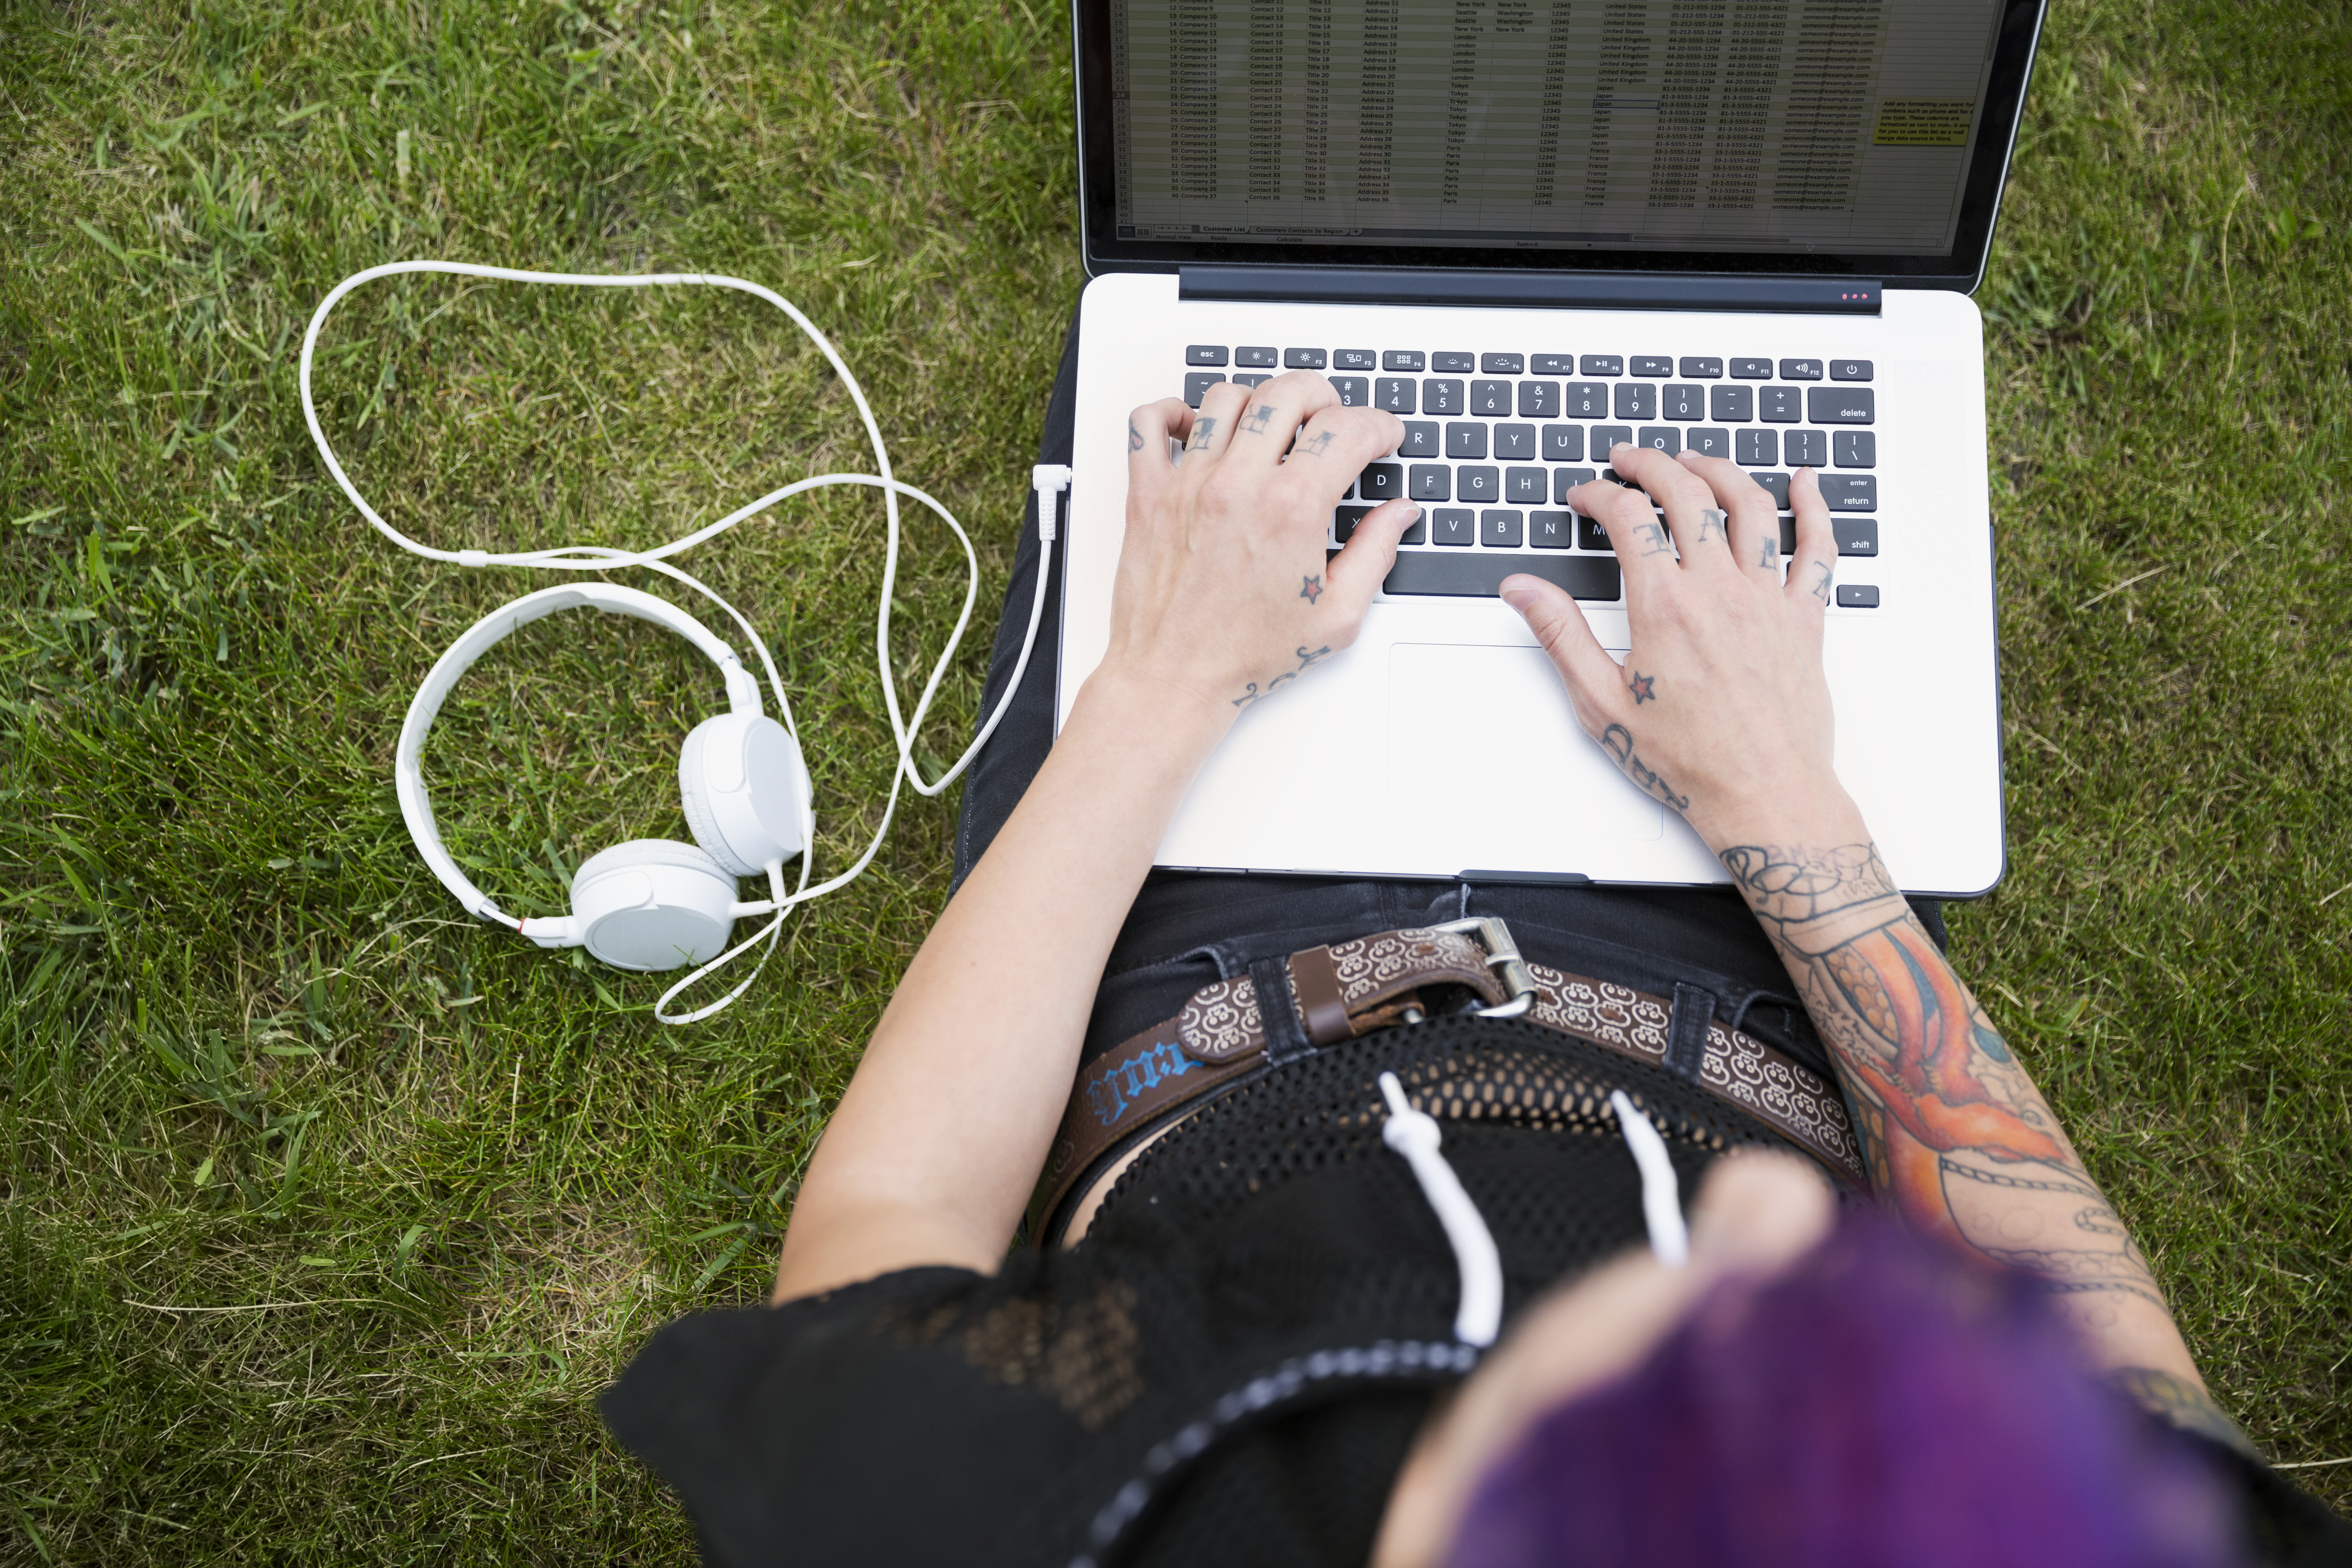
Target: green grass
[[254, 1060]]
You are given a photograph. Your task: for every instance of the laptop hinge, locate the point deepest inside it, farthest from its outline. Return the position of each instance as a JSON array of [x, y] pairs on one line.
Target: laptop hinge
[[1586, 290]]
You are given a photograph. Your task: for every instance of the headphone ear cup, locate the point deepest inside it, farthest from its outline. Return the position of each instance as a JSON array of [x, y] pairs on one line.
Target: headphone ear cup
[[651, 904], [745, 791]]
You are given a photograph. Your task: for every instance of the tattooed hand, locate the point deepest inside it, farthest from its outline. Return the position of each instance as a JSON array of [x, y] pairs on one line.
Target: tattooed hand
[[1225, 594], [1721, 709]]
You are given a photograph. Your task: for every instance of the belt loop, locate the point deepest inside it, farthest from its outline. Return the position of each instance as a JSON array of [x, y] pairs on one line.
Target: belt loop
[[1285, 1036], [1686, 1031]]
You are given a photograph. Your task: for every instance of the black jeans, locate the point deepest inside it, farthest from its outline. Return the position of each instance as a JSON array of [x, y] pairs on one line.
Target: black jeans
[[1699, 945]]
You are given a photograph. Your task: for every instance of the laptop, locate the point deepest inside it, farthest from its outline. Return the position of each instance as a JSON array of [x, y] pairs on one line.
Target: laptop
[[1532, 228]]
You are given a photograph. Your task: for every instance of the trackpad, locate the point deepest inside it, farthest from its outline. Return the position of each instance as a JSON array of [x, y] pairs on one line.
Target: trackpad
[[1482, 740]]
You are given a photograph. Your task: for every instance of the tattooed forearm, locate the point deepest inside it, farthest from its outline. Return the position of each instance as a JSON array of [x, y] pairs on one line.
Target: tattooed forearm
[[2177, 1402], [1957, 1137]]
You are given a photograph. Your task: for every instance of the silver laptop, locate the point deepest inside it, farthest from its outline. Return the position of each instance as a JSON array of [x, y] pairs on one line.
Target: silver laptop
[[1532, 228]]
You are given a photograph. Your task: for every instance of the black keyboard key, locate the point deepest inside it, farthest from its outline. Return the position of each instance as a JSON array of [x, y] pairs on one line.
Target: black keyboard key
[[1395, 394], [1355, 391], [1515, 443], [1551, 529], [1457, 364], [1850, 492], [1751, 369], [1344, 522], [1563, 443], [1855, 450], [1538, 400], [1566, 479], [1757, 448], [1653, 365], [1502, 364], [1709, 442], [1601, 438], [1800, 370], [1660, 438], [1731, 405], [1477, 483], [1501, 529], [1481, 576], [1855, 535], [1682, 403], [1418, 533], [1354, 359], [1465, 441], [1252, 377], [1855, 596], [1850, 370], [1381, 481], [1587, 400], [1452, 527], [1637, 400], [1197, 383], [1776, 486], [1205, 354], [1788, 536], [1441, 396], [1555, 364], [1779, 405], [1601, 364], [1257, 358], [1303, 358], [1421, 440], [1431, 481], [1806, 449], [1842, 405], [1590, 536], [1490, 399], [1701, 367], [1403, 359], [1526, 487]]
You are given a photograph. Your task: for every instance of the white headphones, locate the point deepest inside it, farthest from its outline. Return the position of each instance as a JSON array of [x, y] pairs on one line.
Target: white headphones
[[652, 903], [648, 903]]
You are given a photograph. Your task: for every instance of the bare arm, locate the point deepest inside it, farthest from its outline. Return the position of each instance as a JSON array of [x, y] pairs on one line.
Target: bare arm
[[1224, 598], [1721, 711]]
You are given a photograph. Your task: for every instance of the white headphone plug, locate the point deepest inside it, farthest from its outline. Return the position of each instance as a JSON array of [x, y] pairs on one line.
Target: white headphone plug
[[1049, 480]]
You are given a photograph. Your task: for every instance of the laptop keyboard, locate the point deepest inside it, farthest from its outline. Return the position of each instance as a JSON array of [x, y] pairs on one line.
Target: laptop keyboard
[[1493, 442]]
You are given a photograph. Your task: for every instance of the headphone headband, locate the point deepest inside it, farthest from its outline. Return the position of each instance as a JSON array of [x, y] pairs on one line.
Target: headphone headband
[[416, 809]]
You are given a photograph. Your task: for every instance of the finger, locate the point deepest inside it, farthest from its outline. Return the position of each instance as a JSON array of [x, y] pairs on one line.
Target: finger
[[1275, 412], [1595, 685], [1213, 427], [1355, 574], [1813, 568], [1643, 547], [1755, 523], [1700, 528], [1336, 444], [1149, 429]]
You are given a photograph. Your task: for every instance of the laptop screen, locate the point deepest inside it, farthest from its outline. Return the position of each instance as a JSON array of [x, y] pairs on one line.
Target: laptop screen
[[1804, 135]]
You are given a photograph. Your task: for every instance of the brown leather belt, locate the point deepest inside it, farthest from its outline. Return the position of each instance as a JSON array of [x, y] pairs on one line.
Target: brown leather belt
[[1338, 992]]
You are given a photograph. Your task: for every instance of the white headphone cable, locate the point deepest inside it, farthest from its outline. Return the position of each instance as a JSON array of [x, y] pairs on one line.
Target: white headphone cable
[[1047, 480]]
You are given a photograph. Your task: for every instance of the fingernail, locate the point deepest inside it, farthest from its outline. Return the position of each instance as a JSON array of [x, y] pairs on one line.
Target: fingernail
[[1411, 510], [1519, 596]]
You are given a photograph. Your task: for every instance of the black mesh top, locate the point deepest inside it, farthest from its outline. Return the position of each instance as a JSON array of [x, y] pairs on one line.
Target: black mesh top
[[1228, 1370]]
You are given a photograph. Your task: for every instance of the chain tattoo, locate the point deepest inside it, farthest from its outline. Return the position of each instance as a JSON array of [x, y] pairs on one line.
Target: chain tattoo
[[1251, 693]]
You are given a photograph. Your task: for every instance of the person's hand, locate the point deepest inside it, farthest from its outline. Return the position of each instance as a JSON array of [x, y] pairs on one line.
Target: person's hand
[[1720, 710], [1224, 594]]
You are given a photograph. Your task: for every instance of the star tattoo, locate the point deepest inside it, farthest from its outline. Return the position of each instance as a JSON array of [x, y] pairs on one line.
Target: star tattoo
[[1640, 686], [1312, 590]]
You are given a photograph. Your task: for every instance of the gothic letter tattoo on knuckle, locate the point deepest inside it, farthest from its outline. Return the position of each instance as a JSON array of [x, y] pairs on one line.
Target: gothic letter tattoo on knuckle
[[1205, 426], [1260, 417], [1711, 524]]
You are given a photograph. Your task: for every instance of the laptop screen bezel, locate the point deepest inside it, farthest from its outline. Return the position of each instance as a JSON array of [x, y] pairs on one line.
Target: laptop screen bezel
[[1961, 268]]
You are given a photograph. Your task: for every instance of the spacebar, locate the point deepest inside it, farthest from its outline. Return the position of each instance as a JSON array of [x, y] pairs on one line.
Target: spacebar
[[1481, 572]]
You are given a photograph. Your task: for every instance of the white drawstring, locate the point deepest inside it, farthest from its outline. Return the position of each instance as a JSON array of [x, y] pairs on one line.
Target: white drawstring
[[1413, 1134], [1662, 1207]]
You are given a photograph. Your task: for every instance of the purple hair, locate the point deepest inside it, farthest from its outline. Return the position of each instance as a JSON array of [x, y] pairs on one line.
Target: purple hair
[[1879, 1403]]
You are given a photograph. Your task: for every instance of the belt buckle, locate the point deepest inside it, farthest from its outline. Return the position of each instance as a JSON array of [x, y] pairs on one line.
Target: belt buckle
[[1503, 957]]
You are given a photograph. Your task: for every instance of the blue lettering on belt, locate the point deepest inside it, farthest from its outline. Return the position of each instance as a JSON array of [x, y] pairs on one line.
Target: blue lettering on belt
[[1110, 1091]]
